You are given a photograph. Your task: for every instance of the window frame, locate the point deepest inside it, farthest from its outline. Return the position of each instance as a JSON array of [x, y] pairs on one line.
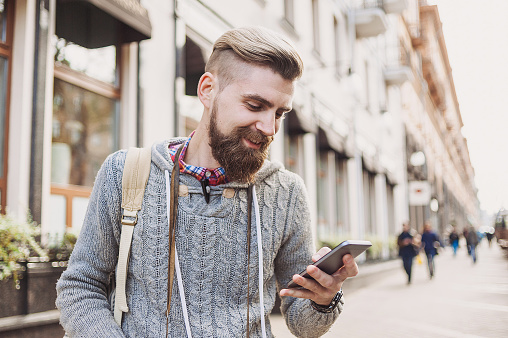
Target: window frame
[[6, 52]]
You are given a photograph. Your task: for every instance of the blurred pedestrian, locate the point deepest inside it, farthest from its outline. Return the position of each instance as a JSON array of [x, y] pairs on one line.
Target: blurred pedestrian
[[489, 235], [454, 240], [465, 233], [472, 239], [407, 251], [430, 243]]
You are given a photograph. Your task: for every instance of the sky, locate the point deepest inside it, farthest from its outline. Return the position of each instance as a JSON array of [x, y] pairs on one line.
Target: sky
[[476, 36]]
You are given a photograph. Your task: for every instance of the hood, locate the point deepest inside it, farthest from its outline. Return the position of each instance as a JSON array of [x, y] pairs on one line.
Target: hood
[[161, 158]]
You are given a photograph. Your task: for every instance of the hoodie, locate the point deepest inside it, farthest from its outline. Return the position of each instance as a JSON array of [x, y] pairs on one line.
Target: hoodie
[[211, 244]]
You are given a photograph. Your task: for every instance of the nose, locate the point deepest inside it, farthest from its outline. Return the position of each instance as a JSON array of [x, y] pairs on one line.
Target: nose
[[266, 123]]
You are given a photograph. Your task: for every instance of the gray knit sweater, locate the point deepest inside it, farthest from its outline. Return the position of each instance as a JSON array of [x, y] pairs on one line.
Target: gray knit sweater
[[211, 245]]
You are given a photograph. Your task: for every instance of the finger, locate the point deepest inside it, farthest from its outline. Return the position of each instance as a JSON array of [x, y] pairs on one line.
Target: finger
[[305, 283], [350, 268], [323, 251], [322, 280]]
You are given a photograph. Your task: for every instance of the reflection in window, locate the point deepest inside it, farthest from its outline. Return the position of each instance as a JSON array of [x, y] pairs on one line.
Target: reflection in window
[[83, 133], [98, 63], [3, 20], [3, 103]]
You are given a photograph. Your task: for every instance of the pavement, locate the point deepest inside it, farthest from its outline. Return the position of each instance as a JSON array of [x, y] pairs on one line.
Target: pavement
[[462, 300]]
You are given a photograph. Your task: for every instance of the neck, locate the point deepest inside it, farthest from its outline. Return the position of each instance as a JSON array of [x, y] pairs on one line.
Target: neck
[[199, 152]]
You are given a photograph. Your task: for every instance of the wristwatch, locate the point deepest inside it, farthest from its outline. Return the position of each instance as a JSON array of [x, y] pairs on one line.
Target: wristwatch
[[328, 308]]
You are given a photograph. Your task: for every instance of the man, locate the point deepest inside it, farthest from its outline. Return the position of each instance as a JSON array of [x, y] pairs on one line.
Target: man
[[246, 90], [472, 240], [430, 243], [407, 251], [454, 240]]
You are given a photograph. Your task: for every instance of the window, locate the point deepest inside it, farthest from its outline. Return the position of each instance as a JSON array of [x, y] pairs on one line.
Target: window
[[289, 12], [6, 24], [294, 159], [337, 43], [315, 26], [369, 198], [85, 124], [341, 191], [323, 200], [367, 86]]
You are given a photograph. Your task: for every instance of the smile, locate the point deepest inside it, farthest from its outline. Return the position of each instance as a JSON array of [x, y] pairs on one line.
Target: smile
[[252, 144]]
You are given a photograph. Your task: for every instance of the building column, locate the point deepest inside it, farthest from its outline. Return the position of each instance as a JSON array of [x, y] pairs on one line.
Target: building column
[[20, 121], [47, 128], [129, 97], [157, 74]]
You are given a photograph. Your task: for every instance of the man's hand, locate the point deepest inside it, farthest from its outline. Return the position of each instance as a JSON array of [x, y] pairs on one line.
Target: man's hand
[[323, 288]]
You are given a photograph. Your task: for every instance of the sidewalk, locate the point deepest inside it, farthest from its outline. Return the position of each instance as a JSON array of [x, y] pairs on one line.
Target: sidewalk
[[463, 300]]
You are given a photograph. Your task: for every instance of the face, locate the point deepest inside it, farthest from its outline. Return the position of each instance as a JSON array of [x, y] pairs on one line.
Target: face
[[244, 118]]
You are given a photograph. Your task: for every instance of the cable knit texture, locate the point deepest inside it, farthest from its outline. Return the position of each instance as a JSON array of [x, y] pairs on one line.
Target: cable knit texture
[[211, 246]]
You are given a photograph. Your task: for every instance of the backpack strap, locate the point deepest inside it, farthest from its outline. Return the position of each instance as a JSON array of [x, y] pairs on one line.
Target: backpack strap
[[134, 179]]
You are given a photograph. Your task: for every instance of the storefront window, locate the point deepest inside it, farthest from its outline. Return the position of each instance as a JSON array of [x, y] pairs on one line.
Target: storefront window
[[97, 63], [84, 133]]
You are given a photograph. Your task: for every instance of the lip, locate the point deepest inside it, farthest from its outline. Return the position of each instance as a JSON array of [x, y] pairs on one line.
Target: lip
[[251, 144]]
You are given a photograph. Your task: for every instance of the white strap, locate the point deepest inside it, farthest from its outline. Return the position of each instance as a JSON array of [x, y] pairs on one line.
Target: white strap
[[121, 273], [260, 262], [181, 290]]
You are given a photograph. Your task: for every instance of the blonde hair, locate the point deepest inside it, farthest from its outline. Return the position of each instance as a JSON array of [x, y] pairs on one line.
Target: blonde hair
[[253, 45]]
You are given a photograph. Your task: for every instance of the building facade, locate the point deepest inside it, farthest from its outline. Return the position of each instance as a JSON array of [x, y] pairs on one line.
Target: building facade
[[75, 89]]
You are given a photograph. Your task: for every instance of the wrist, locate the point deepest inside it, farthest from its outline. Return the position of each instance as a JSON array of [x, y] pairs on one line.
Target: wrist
[[334, 303]]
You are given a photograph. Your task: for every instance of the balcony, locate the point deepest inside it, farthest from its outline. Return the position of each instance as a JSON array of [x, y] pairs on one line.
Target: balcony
[[370, 22], [370, 16], [394, 6], [398, 69], [397, 75]]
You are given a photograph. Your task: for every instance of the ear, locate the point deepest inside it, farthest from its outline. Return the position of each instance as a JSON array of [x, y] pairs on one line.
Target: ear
[[207, 83]]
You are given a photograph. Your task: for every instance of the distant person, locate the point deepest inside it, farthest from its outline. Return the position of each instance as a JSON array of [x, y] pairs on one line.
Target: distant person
[[454, 240], [472, 239], [465, 233], [430, 243], [489, 235], [407, 251]]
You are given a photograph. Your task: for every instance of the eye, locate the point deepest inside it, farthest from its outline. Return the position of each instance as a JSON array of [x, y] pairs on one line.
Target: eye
[[253, 107]]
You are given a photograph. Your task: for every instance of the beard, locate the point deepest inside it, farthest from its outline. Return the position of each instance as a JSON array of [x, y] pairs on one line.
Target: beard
[[240, 162]]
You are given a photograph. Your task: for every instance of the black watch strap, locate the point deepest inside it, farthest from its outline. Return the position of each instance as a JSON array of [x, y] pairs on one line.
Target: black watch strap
[[328, 308]]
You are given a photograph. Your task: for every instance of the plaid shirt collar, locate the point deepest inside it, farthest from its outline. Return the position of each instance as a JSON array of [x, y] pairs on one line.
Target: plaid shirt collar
[[215, 176]]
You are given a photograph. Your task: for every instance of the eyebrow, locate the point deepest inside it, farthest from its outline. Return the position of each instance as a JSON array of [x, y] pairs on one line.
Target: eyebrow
[[264, 101]]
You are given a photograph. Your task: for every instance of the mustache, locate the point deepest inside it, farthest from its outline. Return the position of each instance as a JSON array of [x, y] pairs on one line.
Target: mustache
[[254, 136]]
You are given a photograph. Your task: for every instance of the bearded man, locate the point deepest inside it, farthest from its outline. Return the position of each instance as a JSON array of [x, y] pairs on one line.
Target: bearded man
[[243, 225]]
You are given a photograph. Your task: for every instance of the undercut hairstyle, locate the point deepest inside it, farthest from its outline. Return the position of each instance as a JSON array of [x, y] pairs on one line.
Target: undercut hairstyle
[[255, 46]]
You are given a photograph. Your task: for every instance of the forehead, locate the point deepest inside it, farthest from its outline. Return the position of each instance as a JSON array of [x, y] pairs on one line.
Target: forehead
[[253, 80]]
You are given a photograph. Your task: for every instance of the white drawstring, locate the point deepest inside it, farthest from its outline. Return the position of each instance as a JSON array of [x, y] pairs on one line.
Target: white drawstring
[[181, 290], [260, 263]]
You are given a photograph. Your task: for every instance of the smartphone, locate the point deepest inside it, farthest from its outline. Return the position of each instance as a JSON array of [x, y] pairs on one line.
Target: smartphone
[[332, 261]]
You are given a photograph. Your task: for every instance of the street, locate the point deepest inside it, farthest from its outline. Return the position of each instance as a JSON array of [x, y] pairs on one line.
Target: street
[[463, 300]]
